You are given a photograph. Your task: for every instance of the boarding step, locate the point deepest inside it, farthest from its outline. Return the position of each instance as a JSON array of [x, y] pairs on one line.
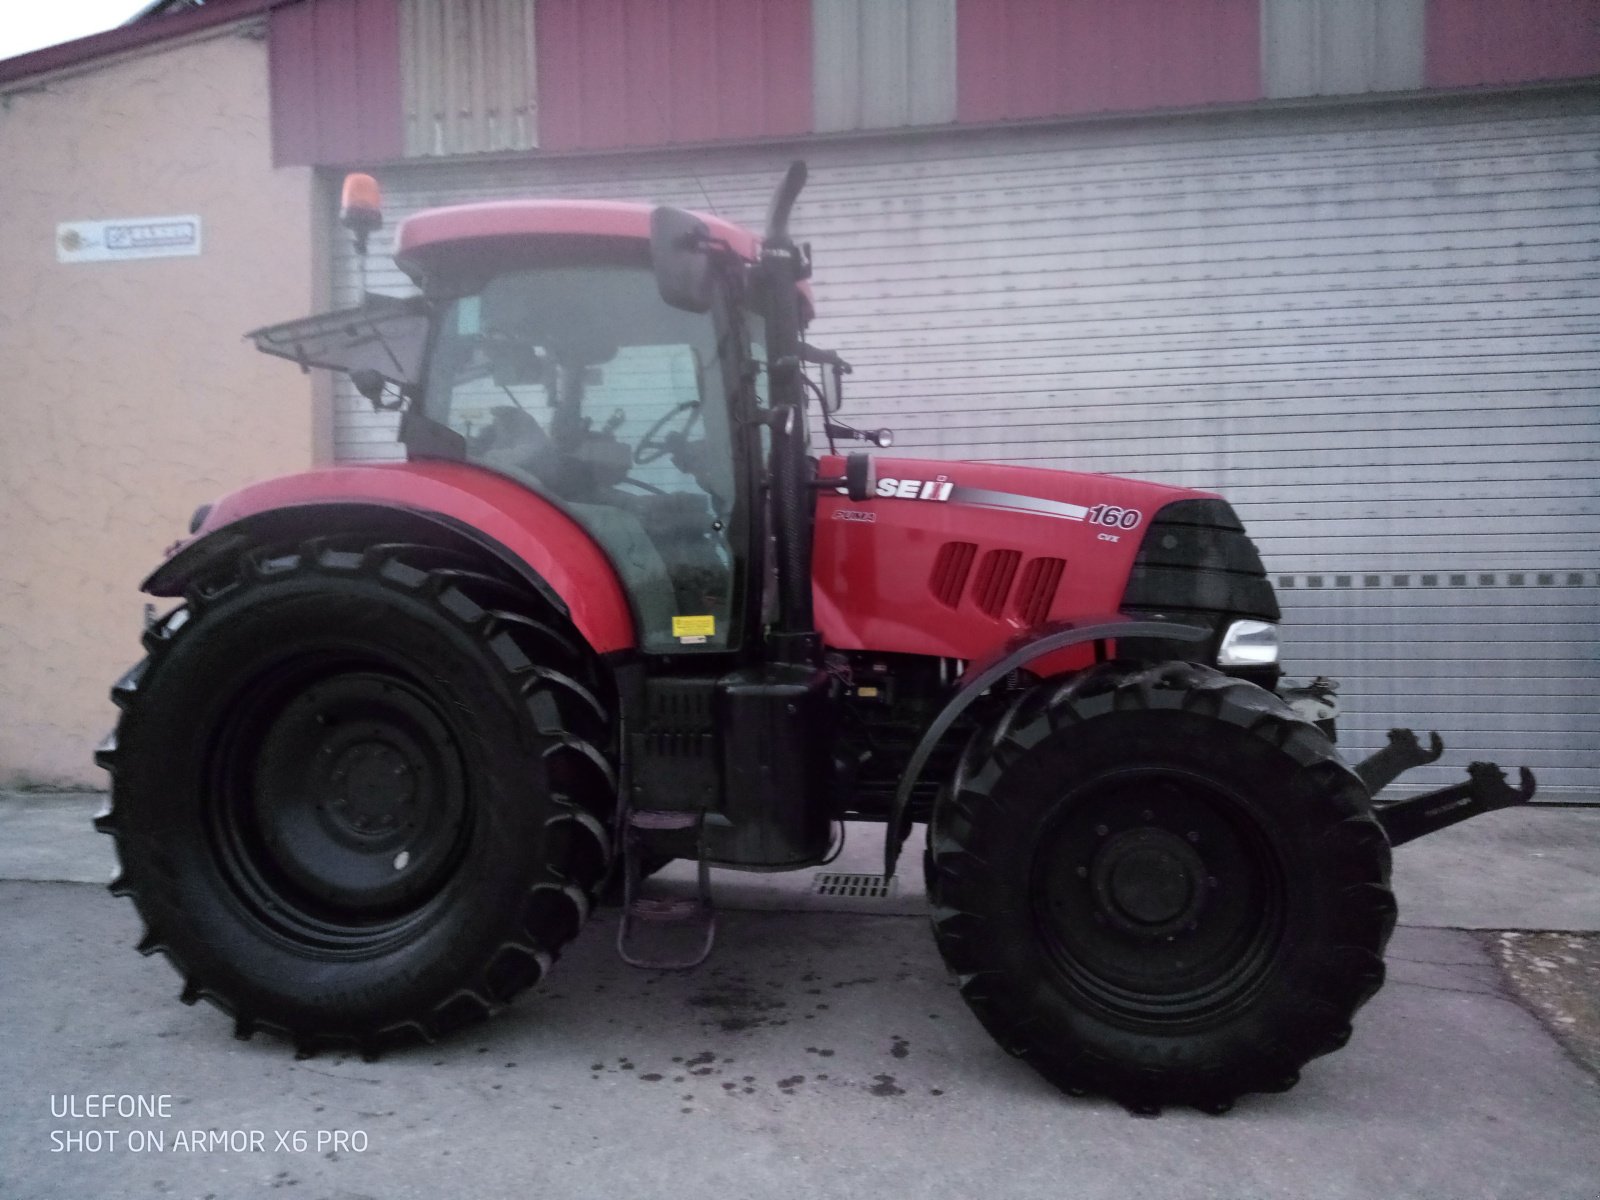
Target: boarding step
[[685, 927]]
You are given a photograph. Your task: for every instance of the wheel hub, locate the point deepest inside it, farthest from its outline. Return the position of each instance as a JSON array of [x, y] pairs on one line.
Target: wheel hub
[[357, 799], [1149, 882], [1154, 896], [372, 787]]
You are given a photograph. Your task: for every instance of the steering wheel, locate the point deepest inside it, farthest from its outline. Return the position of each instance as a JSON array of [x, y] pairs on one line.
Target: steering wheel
[[650, 448]]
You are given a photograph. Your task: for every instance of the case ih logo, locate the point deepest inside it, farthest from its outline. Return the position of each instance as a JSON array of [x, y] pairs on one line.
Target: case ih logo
[[915, 489], [942, 488]]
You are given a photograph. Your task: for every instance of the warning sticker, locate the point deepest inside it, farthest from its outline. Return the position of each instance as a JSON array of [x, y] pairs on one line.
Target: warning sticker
[[694, 627]]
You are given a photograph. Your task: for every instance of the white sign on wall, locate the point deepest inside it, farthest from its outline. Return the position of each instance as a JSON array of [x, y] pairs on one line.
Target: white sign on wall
[[127, 237]]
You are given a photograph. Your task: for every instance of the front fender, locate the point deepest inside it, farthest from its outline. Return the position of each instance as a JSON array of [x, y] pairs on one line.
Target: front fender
[[979, 676], [528, 533]]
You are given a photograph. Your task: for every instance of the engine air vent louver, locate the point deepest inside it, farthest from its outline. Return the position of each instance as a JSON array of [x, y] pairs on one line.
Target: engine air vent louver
[[993, 584], [951, 567], [1040, 579]]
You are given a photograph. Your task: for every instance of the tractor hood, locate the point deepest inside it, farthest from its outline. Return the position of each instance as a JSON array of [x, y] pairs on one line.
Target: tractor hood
[[958, 558]]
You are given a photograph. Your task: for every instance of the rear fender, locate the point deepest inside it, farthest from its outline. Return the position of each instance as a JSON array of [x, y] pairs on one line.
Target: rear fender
[[527, 533]]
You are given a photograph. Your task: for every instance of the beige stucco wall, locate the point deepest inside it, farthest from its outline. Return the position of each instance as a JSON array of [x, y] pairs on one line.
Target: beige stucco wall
[[127, 396]]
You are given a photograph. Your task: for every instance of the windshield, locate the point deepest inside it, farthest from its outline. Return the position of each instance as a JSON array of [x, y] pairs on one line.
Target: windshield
[[581, 383]]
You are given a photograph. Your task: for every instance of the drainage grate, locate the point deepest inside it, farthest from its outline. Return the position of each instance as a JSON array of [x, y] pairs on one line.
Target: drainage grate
[[859, 887]]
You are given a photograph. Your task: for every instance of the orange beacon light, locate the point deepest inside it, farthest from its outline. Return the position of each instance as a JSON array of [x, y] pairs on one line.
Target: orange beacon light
[[360, 208]]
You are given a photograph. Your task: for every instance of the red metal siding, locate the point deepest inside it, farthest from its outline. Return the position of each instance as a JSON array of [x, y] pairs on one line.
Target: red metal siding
[[653, 72], [1039, 58], [1511, 41], [335, 70]]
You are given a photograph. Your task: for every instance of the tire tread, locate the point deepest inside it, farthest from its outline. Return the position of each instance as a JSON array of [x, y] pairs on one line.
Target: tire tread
[[958, 877], [549, 670]]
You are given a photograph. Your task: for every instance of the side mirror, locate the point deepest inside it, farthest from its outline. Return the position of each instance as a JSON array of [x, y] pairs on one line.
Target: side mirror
[[832, 390], [681, 259], [834, 369]]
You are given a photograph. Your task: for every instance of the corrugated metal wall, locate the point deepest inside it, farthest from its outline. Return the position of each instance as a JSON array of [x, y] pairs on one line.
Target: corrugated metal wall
[[1337, 47], [1375, 329], [645, 73], [350, 85], [1473, 42], [467, 76], [335, 81], [1021, 58], [878, 64]]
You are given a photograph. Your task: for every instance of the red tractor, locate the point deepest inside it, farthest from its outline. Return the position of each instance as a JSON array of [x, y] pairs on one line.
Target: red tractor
[[409, 722]]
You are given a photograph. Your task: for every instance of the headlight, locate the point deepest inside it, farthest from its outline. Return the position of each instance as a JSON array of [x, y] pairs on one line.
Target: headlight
[[1249, 644]]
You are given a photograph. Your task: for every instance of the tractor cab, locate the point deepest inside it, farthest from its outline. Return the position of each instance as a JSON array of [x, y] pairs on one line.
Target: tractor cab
[[566, 372], [542, 348]]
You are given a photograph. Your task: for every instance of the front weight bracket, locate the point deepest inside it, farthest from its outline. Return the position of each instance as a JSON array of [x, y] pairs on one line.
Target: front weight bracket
[[1486, 789], [1402, 753]]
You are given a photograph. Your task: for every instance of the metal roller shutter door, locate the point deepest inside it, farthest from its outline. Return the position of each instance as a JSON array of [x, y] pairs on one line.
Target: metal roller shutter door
[[1373, 328]]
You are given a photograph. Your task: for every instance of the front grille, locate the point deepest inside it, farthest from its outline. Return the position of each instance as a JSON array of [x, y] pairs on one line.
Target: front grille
[[1195, 558]]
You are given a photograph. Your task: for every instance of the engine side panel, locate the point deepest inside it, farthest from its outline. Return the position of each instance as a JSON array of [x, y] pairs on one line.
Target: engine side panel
[[552, 546], [957, 558]]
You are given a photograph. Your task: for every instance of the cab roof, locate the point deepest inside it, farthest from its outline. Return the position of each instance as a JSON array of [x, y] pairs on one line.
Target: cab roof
[[547, 218]]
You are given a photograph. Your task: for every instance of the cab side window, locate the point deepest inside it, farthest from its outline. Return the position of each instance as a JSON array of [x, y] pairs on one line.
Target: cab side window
[[582, 384]]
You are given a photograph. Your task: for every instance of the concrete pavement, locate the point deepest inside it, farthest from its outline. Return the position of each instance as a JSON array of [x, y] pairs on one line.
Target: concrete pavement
[[818, 1054]]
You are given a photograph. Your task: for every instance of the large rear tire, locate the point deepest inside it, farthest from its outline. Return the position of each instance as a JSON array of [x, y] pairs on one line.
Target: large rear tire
[[360, 796], [1159, 884]]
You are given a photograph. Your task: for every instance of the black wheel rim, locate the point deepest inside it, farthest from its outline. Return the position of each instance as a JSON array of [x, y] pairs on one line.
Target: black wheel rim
[[1158, 898], [341, 806]]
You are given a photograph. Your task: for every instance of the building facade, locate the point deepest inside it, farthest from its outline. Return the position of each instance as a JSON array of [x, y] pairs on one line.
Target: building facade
[[128, 395], [1336, 259]]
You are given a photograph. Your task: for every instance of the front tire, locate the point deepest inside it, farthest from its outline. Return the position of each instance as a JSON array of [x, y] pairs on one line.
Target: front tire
[[1160, 885], [360, 796]]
